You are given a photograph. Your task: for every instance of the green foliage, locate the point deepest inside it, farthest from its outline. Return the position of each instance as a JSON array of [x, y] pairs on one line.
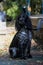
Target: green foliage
[[13, 8], [21, 2], [36, 6], [13, 11]]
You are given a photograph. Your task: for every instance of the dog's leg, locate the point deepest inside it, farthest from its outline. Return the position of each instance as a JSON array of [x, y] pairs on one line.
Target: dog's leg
[[13, 52], [28, 52]]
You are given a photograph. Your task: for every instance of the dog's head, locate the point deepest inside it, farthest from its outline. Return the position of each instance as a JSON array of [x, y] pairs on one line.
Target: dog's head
[[20, 22], [23, 21]]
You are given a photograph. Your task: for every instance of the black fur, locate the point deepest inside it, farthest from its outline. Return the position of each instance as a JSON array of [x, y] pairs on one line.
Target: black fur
[[23, 21], [21, 44]]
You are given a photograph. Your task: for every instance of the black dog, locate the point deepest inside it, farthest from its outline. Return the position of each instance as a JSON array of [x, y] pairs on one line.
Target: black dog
[[23, 20], [21, 44]]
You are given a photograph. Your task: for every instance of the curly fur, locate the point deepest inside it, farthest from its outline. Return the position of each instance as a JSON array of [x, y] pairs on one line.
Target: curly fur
[[21, 44]]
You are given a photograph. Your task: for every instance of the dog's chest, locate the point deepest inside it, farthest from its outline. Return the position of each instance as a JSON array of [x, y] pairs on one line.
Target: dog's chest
[[23, 37]]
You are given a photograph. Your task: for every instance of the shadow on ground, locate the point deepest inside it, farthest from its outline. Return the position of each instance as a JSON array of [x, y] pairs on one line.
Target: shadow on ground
[[36, 60]]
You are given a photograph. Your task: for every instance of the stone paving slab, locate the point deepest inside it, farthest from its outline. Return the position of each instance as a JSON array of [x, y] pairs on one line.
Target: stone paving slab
[[37, 59]]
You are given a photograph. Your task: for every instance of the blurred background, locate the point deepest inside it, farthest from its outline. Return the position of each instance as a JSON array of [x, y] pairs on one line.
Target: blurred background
[[12, 9]]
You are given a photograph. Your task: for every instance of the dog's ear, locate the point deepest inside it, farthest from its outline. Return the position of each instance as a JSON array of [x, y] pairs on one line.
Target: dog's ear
[[17, 25]]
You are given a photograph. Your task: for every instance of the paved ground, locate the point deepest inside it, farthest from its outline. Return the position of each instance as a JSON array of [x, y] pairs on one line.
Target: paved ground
[[5, 41], [36, 60]]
